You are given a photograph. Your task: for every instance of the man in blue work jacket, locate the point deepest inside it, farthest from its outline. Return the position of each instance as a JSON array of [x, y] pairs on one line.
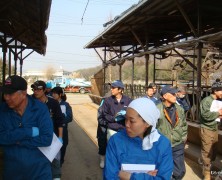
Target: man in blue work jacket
[[25, 125]]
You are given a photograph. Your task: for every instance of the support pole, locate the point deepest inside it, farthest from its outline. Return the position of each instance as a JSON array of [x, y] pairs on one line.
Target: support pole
[[147, 69], [4, 50]]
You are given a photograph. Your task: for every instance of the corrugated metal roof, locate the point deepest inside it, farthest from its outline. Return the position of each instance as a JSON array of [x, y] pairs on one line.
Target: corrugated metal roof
[[160, 22]]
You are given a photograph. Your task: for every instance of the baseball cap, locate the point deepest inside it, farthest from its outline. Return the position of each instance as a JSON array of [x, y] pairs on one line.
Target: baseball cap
[[13, 83], [38, 85], [48, 85], [117, 83], [168, 89]]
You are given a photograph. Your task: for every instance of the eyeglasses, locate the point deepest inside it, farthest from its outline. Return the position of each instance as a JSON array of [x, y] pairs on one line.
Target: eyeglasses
[[37, 89]]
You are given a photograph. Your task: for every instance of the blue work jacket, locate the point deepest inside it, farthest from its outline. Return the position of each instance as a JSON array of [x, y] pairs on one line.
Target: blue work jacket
[[122, 149], [22, 158], [111, 107]]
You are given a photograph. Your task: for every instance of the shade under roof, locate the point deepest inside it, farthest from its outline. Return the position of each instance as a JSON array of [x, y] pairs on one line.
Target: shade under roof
[[26, 21]]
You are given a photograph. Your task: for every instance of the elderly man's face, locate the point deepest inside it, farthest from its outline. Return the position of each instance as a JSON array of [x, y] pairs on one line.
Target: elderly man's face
[[15, 99], [171, 98], [135, 126], [218, 94]]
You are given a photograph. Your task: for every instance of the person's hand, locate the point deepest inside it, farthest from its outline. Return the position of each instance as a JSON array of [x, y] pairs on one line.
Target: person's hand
[[152, 173], [60, 139], [123, 175], [35, 131], [120, 116], [220, 112], [122, 112]]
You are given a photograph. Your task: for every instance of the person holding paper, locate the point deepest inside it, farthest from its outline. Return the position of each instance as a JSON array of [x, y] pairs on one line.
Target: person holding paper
[[139, 144], [25, 125], [209, 128], [39, 88], [59, 95]]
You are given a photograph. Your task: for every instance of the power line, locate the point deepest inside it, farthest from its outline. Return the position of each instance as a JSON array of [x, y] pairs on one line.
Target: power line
[[84, 11]]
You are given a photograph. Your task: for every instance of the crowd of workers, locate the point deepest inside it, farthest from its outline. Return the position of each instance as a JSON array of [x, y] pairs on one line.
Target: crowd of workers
[[148, 130], [153, 130], [27, 122]]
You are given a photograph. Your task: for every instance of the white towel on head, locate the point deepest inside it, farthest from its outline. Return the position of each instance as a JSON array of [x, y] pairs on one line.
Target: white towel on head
[[150, 139], [149, 112]]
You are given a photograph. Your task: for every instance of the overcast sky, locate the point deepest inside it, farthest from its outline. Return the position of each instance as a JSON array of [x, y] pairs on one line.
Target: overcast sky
[[67, 34]]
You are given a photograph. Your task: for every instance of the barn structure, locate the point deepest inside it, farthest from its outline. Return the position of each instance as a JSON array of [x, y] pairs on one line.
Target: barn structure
[[23, 26], [190, 30]]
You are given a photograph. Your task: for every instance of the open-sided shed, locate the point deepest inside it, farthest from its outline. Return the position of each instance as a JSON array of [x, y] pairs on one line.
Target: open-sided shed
[[23, 26], [154, 27]]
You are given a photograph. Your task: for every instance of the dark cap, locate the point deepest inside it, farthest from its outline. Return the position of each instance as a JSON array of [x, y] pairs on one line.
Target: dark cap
[[168, 89], [57, 90], [38, 85], [13, 83], [117, 83], [216, 86]]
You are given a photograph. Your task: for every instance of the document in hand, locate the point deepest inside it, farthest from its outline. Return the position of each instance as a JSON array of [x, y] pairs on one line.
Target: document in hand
[[215, 106], [138, 168], [51, 151]]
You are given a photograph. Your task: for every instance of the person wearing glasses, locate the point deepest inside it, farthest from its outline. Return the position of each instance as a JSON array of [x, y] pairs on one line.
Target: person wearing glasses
[[172, 123], [39, 88], [25, 125]]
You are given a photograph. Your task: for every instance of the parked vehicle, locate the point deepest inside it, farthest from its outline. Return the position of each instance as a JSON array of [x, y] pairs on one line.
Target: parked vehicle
[[72, 84]]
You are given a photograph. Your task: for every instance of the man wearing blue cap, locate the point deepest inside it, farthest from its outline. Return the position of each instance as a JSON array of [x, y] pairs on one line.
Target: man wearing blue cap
[[114, 108], [172, 124]]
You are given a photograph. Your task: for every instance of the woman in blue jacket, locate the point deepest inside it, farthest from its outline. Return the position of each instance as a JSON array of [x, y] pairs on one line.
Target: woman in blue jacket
[[59, 95], [139, 143]]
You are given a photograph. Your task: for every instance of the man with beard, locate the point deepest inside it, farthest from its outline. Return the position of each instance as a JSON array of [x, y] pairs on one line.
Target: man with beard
[[209, 128], [172, 123]]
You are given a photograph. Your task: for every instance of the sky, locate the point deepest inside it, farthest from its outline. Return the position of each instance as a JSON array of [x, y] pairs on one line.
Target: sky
[[70, 29]]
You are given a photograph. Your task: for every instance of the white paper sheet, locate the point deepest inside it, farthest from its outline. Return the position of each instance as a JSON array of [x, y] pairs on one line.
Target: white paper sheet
[[51, 151], [138, 168], [63, 108], [215, 106]]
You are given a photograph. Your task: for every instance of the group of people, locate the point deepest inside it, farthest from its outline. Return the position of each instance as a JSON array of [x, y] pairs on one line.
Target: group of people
[[28, 122], [152, 130], [149, 130]]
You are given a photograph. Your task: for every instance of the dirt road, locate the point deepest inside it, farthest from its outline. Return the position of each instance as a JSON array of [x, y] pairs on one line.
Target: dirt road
[[82, 162]]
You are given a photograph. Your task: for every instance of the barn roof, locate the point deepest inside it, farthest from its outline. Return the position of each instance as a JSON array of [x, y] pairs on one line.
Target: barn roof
[[152, 23], [26, 21]]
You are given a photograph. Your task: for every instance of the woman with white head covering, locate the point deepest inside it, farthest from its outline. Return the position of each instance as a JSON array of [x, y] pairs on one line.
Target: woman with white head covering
[[139, 143]]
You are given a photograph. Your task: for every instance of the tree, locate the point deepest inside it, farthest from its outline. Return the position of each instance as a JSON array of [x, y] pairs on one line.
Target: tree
[[49, 71]]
